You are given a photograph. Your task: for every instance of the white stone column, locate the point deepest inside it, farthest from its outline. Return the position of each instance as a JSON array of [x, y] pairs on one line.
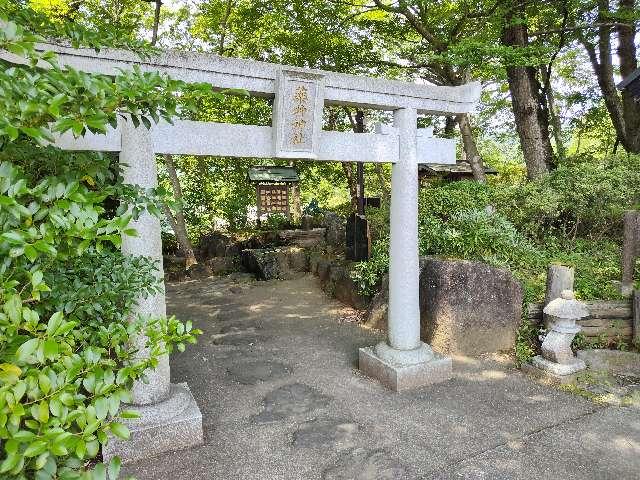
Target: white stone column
[[404, 271], [404, 361], [138, 160], [169, 415]]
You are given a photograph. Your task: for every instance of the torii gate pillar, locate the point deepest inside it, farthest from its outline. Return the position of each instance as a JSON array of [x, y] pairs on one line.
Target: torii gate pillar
[[169, 415], [404, 362]]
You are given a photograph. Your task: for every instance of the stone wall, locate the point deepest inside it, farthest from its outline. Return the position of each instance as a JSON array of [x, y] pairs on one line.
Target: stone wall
[[336, 280]]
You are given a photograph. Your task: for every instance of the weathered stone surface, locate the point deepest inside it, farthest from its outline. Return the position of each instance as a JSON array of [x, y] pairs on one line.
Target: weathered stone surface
[[559, 278], [630, 250], [612, 361], [379, 307], [172, 424], [635, 322], [238, 340], [557, 357], [252, 373], [175, 267], [342, 286], [361, 464], [330, 433], [221, 265], [214, 244], [335, 226], [467, 307], [289, 401], [266, 264], [276, 263], [302, 238]]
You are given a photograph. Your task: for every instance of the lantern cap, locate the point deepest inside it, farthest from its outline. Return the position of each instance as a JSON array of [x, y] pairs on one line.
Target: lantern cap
[[567, 307]]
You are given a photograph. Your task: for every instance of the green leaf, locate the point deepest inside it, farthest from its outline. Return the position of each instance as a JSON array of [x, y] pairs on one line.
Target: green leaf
[[50, 349], [114, 468], [54, 323], [35, 448], [119, 430], [99, 472], [26, 350], [10, 462]]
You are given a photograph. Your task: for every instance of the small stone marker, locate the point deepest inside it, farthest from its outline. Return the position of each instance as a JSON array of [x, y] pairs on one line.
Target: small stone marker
[[557, 361], [636, 317], [559, 278]]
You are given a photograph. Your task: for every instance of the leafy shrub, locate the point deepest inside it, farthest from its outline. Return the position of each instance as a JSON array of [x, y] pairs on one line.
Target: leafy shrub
[[367, 275], [527, 342], [276, 221], [66, 363], [583, 197], [66, 356]]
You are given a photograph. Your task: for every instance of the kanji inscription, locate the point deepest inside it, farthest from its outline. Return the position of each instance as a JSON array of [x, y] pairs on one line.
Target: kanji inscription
[[273, 199], [298, 115]]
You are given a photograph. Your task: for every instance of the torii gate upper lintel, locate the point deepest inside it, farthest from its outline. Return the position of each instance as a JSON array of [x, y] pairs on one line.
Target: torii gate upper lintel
[[401, 362]]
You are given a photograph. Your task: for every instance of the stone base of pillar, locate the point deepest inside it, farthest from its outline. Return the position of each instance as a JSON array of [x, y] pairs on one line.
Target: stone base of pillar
[[173, 424], [553, 373], [397, 376]]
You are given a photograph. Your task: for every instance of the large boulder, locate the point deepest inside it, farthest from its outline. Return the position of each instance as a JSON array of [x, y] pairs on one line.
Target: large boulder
[[468, 307], [302, 238], [221, 265], [376, 316], [275, 263], [214, 244]]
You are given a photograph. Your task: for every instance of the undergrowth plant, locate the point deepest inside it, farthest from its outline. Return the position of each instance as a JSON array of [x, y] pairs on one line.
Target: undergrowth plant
[[67, 362]]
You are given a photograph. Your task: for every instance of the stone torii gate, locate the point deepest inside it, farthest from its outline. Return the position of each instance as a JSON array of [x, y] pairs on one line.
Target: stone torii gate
[[170, 416]]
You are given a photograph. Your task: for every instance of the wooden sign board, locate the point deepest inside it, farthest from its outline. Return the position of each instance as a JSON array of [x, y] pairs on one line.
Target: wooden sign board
[[273, 199]]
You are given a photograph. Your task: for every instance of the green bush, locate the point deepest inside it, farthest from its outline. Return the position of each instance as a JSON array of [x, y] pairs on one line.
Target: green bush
[[571, 216], [66, 357], [66, 363], [583, 197]]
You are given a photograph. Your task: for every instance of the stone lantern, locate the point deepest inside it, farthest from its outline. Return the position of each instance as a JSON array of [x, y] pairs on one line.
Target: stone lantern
[[557, 357]]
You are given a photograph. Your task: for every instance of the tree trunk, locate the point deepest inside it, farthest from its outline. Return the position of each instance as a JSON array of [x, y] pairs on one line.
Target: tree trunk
[[177, 220], [348, 169], [529, 108], [623, 109], [156, 22], [470, 148], [556, 123], [449, 127], [223, 27], [628, 64]]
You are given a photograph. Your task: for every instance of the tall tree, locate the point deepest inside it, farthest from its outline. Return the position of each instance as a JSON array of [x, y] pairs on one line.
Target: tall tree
[[611, 22], [529, 104]]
